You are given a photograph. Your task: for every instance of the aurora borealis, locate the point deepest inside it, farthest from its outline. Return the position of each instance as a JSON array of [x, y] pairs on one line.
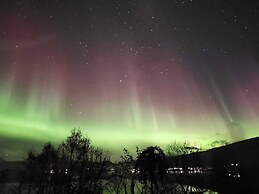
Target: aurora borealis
[[136, 72]]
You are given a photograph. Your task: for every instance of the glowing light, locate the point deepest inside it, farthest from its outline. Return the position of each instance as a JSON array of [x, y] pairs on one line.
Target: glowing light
[[118, 100]]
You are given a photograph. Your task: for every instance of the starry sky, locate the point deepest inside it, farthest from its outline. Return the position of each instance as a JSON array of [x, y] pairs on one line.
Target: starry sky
[[127, 72]]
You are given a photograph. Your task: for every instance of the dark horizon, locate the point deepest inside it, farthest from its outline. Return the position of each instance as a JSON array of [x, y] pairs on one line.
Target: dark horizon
[[220, 169], [193, 148]]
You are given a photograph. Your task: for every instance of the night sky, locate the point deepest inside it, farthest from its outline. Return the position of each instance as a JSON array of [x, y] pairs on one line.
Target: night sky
[[127, 72]]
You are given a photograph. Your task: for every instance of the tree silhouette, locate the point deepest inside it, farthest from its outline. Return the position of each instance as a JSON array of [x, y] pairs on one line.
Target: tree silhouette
[[151, 166], [123, 179], [176, 149], [47, 163], [70, 151], [29, 175], [85, 164], [40, 169], [76, 167]]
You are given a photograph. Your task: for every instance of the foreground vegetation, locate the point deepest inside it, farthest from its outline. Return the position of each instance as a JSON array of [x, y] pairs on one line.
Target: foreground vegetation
[[77, 167]]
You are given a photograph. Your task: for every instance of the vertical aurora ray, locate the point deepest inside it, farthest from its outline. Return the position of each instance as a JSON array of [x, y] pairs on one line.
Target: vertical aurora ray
[[141, 82], [32, 89], [139, 113]]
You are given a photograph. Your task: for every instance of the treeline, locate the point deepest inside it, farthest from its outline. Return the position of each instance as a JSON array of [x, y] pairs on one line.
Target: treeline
[[77, 167], [74, 167]]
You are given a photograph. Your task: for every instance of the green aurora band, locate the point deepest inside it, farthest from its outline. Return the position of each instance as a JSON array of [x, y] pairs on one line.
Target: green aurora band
[[118, 100], [112, 126]]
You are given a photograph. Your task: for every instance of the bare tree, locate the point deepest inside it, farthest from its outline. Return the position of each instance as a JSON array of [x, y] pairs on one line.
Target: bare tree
[[123, 178], [177, 149], [85, 164], [39, 169], [76, 167]]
